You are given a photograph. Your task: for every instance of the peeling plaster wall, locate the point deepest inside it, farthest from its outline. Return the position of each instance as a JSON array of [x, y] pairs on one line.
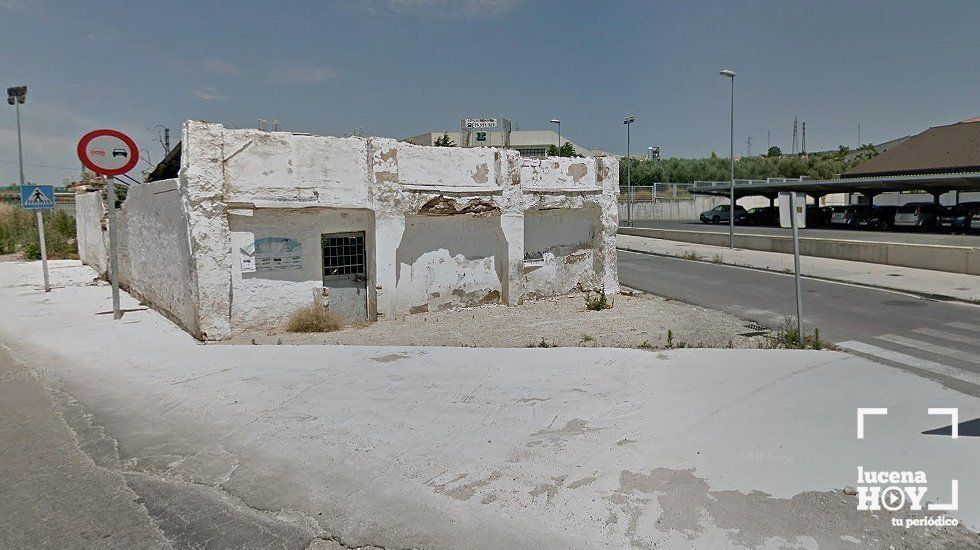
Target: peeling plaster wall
[[444, 226], [559, 250], [449, 261], [264, 299]]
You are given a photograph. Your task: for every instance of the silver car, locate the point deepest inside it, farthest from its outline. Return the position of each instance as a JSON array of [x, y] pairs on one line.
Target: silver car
[[920, 215]]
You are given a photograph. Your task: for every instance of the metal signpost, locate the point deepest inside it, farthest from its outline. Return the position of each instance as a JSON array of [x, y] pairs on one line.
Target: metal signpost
[[34, 197], [39, 198], [109, 153], [792, 213]]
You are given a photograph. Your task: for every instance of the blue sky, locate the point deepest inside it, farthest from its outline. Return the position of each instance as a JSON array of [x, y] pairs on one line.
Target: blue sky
[[402, 67]]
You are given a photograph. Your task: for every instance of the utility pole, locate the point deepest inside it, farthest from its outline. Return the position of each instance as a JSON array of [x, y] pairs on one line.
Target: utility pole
[[859, 134], [795, 137], [727, 73], [803, 142], [748, 146]]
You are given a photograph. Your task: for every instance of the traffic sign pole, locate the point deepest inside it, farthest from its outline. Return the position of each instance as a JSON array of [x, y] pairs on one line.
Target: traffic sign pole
[[44, 250], [109, 153], [796, 263], [40, 218], [113, 246]]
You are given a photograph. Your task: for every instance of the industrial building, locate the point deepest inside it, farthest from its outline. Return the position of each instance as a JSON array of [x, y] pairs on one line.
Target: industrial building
[[238, 228], [498, 132]]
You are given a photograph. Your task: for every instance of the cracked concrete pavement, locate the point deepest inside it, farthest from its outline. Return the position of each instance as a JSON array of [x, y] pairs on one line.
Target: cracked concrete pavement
[[203, 446]]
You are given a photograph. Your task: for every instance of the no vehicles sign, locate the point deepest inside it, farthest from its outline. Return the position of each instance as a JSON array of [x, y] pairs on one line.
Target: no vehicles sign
[[37, 197], [108, 152]]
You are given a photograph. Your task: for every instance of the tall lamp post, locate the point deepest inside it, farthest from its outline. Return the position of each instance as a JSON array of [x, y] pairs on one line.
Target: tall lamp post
[[16, 96], [628, 121], [558, 122], [731, 163]]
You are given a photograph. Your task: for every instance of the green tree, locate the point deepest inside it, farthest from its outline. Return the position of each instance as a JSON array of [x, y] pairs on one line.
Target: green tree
[[567, 150], [445, 141], [774, 152], [553, 151]]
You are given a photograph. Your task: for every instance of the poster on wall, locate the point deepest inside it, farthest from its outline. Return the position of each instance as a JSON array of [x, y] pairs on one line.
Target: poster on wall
[[272, 254]]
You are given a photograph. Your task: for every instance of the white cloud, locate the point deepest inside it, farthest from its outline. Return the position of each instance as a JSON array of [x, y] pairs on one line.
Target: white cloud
[[445, 9], [208, 93], [303, 73], [219, 66]]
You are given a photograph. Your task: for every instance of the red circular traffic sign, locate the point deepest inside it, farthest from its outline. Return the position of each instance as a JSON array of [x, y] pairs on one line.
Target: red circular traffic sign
[[108, 152]]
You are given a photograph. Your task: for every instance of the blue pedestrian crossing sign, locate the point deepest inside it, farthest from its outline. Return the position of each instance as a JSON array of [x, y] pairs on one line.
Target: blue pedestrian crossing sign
[[37, 197]]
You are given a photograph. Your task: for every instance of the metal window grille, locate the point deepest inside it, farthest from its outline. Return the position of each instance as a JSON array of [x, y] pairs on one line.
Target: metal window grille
[[343, 254]]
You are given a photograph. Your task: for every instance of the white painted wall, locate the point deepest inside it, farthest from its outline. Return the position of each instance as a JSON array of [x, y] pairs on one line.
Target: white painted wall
[[154, 256], [93, 243], [264, 299]]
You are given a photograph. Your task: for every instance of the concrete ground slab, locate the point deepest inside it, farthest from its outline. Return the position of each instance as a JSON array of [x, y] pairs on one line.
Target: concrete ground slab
[[508, 448]]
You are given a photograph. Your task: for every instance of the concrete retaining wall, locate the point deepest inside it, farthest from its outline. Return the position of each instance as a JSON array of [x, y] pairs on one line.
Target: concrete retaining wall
[[684, 209], [955, 259]]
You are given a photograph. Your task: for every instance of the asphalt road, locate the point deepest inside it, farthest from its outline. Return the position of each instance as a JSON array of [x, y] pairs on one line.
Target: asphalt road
[[938, 339], [832, 232]]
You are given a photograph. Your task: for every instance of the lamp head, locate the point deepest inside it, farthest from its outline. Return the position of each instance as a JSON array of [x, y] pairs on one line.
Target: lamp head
[[629, 120], [727, 73]]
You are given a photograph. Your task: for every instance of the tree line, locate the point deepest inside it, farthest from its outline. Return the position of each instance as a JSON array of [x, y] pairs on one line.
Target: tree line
[[773, 165]]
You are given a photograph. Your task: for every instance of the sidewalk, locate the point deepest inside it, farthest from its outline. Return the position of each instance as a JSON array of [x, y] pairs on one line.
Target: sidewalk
[[435, 447], [932, 284]]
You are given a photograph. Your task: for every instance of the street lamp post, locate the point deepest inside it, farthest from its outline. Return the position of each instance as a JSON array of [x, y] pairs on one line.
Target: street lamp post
[[558, 122], [731, 163], [628, 121], [16, 96]]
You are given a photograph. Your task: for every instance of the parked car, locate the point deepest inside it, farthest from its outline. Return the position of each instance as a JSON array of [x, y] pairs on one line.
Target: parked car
[[959, 218], [975, 222], [877, 217], [719, 214], [764, 215], [918, 215], [816, 216], [844, 215]]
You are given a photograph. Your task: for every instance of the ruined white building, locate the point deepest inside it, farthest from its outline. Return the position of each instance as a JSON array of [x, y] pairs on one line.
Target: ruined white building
[[256, 224]]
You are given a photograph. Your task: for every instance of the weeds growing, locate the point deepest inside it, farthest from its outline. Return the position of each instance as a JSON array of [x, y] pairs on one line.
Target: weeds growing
[[313, 318], [18, 233]]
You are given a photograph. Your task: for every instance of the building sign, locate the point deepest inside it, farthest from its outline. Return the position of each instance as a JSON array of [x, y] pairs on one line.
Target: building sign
[[480, 123], [272, 254], [481, 136]]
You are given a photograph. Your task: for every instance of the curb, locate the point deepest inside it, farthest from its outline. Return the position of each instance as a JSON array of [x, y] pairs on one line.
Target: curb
[[925, 295]]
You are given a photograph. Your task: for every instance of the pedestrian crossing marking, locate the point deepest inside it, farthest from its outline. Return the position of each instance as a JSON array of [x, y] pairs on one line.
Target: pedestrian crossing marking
[[964, 326], [910, 361], [931, 348], [951, 336]]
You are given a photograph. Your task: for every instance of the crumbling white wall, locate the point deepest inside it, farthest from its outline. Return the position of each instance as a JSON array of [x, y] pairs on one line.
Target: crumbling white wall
[[446, 261], [154, 256], [444, 227], [154, 253]]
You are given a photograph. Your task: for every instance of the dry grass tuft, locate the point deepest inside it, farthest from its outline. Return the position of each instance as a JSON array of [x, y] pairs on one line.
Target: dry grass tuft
[[313, 318]]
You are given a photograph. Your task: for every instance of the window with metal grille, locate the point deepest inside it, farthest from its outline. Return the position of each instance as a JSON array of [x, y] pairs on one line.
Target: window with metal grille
[[343, 254]]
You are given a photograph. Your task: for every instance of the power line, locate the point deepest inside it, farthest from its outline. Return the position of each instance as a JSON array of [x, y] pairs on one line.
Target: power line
[[75, 169]]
